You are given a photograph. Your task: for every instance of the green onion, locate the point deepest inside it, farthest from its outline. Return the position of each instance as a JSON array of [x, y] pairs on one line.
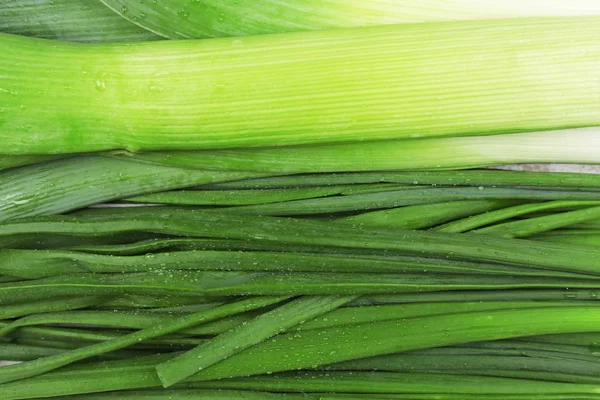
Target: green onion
[[488, 218], [35, 264], [193, 394], [566, 146], [20, 352], [140, 319], [396, 198], [427, 215], [451, 396], [566, 236], [218, 284], [139, 373], [319, 347], [57, 304], [388, 382], [238, 197], [301, 88], [486, 178], [590, 341], [33, 368], [126, 319], [246, 335], [196, 223], [546, 223], [63, 185]]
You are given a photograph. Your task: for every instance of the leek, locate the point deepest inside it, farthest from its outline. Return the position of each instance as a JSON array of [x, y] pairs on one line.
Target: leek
[[383, 82]]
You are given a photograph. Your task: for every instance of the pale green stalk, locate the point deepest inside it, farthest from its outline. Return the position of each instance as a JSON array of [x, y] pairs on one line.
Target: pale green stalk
[[382, 82], [580, 146]]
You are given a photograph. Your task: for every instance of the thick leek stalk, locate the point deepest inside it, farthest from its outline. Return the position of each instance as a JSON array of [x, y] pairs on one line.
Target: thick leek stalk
[[384, 82]]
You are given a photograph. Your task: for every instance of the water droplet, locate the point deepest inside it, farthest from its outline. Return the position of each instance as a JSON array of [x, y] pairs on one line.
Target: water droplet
[[12, 93], [100, 82], [183, 14], [124, 9], [142, 16]]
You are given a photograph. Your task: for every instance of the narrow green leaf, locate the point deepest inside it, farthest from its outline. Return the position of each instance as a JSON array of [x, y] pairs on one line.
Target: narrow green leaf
[[563, 146], [492, 217], [486, 178], [394, 383], [178, 19], [304, 232], [246, 335], [42, 365], [70, 20], [36, 264], [236, 198], [319, 347], [64, 185], [58, 303], [192, 394], [532, 226], [427, 215]]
